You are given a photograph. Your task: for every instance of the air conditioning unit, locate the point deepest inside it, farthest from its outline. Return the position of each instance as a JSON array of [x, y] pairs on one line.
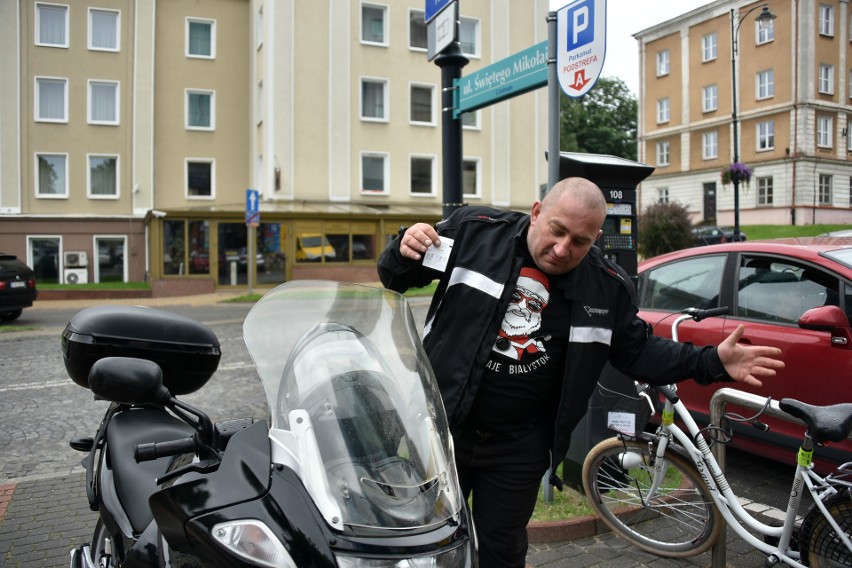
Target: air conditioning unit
[[76, 259], [76, 276]]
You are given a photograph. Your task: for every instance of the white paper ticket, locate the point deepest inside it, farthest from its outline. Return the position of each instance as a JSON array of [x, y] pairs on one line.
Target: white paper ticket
[[437, 257]]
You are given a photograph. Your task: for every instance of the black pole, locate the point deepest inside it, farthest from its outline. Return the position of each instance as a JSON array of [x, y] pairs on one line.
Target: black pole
[[451, 61], [736, 179]]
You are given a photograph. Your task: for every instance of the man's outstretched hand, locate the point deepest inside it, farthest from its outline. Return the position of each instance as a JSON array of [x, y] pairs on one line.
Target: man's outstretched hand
[[745, 363]]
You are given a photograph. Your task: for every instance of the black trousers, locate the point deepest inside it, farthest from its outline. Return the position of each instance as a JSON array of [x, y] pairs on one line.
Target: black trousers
[[503, 473]]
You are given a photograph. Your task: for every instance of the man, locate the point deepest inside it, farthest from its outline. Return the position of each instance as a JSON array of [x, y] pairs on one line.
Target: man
[[524, 317]]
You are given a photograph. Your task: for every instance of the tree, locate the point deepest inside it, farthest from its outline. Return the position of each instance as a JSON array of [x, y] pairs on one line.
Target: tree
[[603, 121], [664, 227]]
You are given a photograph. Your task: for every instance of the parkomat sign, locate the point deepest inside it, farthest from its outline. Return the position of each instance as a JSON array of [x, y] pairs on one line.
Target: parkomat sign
[[581, 45]]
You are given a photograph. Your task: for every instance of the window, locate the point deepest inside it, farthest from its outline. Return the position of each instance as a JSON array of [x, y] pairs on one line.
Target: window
[[103, 102], [765, 31], [469, 36], [422, 175], [259, 28], [51, 99], [374, 173], [200, 178], [471, 120], [824, 195], [663, 63], [111, 253], [374, 99], [374, 24], [51, 25], [51, 175], [764, 190], [826, 20], [825, 134], [694, 282], [104, 29], [765, 84], [664, 153], [200, 38], [826, 79], [709, 98], [709, 47], [663, 110], [766, 135], [200, 110], [417, 30], [103, 176], [710, 145], [422, 104], [850, 84], [43, 252], [662, 195], [471, 178]]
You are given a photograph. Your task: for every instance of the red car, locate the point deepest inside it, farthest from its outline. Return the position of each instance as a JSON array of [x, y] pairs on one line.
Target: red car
[[768, 286]]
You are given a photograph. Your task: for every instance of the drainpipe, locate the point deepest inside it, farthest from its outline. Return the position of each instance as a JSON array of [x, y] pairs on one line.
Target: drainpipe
[[795, 110]]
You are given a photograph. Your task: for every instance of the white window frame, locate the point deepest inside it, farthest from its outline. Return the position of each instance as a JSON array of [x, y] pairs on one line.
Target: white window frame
[[194, 20], [765, 190], [826, 79], [825, 131], [64, 194], [825, 185], [764, 31], [477, 163], [710, 145], [212, 95], [710, 98], [662, 195], [433, 175], [385, 99], [764, 84], [117, 102], [91, 45], [89, 193], [385, 9], [765, 135], [37, 103], [411, 13], [664, 111], [433, 104], [709, 47], [664, 152], [96, 265], [826, 20], [212, 162], [663, 63], [385, 173], [477, 40], [474, 120], [37, 34]]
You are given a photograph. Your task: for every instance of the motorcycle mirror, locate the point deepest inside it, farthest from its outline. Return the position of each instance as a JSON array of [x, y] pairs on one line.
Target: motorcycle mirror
[[126, 380]]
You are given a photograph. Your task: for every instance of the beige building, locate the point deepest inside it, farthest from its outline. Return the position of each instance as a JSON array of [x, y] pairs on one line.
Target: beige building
[[793, 94], [130, 131]]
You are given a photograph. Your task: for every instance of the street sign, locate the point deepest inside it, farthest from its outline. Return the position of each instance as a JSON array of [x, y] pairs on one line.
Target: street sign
[[580, 45], [509, 77], [441, 31], [433, 7], [252, 206]]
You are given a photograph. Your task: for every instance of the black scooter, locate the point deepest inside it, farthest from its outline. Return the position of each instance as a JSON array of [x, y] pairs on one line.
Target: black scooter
[[354, 469]]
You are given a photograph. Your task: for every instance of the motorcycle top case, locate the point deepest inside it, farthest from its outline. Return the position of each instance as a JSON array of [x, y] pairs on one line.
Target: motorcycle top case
[[187, 351]]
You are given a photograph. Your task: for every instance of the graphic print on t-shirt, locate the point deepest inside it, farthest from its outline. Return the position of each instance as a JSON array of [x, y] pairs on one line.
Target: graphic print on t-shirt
[[518, 332]]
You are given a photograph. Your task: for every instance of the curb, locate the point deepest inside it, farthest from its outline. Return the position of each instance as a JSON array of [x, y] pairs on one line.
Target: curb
[[540, 532], [6, 492]]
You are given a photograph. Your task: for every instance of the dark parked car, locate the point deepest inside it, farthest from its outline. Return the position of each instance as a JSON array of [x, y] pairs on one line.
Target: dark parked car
[[712, 235], [768, 287], [17, 287]]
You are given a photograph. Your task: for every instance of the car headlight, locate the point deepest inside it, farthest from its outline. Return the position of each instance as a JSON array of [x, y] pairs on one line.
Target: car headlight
[[458, 557], [253, 541]]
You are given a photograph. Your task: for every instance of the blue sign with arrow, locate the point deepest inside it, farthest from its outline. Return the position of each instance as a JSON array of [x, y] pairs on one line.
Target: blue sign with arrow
[[252, 208]]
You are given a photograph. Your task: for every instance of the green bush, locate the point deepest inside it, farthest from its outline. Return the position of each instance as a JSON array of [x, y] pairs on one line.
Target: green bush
[[664, 227]]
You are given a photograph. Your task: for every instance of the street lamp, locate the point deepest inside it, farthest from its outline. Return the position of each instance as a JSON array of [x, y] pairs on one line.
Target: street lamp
[[764, 16]]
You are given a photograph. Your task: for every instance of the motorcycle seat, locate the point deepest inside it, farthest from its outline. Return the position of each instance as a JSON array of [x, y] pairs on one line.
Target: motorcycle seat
[[136, 482]]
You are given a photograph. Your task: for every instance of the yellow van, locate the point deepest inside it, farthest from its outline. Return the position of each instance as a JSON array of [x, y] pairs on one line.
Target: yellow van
[[312, 247]]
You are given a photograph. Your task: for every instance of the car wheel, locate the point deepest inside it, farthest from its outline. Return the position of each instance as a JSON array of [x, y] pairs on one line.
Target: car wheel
[[13, 315]]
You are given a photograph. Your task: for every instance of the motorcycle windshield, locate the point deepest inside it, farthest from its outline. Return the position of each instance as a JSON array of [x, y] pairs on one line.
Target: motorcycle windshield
[[353, 400]]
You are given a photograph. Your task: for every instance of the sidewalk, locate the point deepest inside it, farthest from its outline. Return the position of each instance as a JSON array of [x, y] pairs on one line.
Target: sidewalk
[[194, 300]]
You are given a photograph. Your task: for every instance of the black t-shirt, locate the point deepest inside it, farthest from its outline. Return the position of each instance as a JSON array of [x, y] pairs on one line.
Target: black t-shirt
[[523, 377]]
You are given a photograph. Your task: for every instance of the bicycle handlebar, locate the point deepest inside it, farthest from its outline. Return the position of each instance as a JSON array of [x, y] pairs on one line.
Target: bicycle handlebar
[[699, 314]]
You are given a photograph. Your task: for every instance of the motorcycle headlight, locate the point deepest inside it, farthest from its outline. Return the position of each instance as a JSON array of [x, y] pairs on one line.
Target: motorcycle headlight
[[253, 541], [458, 557]]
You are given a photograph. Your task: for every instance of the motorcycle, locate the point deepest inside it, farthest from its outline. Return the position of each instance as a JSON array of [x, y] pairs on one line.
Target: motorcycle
[[354, 469]]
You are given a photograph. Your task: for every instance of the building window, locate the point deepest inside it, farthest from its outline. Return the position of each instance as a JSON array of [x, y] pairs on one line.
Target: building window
[[200, 178], [259, 28], [826, 20], [471, 178], [374, 173], [374, 24], [103, 102], [417, 30], [103, 176], [850, 84], [710, 145], [52, 175], [664, 153], [826, 79], [200, 38], [51, 25], [51, 99], [104, 29], [422, 104], [471, 120], [663, 110], [824, 197], [662, 195], [764, 190], [825, 134], [374, 99], [765, 84], [663, 63], [709, 47], [469, 36], [422, 175], [765, 31], [709, 98], [766, 135], [200, 110]]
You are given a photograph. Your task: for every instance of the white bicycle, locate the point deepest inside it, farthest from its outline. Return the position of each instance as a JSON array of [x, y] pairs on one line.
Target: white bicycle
[[666, 494]]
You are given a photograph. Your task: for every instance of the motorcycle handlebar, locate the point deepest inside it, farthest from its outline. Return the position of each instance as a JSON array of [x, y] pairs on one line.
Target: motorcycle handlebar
[[155, 450], [699, 315]]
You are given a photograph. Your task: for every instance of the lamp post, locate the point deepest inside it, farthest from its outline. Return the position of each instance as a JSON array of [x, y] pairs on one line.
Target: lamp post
[[764, 16]]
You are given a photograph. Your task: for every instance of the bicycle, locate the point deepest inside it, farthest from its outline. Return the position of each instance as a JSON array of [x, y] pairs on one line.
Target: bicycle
[[666, 493]]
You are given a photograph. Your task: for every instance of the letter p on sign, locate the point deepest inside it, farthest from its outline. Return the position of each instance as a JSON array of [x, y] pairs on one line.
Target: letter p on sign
[[582, 24]]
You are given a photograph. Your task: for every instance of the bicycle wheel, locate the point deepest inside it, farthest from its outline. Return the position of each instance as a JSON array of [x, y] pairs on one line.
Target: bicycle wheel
[[818, 541], [680, 520]]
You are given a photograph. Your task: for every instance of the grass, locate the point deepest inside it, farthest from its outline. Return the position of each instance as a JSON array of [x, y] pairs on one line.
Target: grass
[[760, 232], [97, 286], [566, 504]]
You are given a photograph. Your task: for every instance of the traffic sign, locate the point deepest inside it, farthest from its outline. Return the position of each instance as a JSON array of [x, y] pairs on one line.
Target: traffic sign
[[581, 45], [433, 7], [252, 208], [441, 31]]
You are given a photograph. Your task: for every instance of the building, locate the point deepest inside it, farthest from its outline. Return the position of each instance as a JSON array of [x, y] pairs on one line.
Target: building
[[793, 92], [130, 131]]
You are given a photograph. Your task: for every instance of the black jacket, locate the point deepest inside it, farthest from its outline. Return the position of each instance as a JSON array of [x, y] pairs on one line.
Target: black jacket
[[473, 295]]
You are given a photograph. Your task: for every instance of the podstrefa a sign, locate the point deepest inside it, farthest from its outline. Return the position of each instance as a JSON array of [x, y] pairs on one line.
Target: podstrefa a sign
[[581, 45]]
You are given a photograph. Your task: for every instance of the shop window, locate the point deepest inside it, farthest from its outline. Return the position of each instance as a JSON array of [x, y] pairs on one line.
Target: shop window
[[233, 263], [199, 247], [270, 253], [111, 253], [174, 247]]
